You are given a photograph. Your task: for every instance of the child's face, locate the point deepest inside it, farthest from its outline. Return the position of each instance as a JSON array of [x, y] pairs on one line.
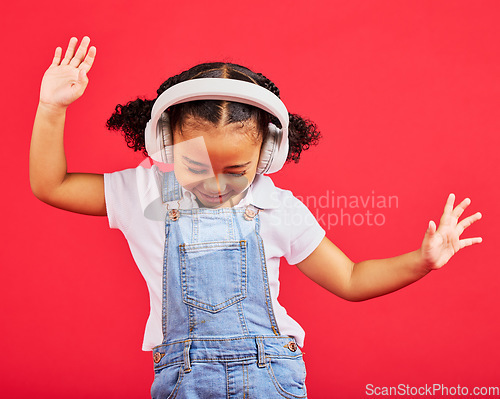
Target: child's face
[[217, 164]]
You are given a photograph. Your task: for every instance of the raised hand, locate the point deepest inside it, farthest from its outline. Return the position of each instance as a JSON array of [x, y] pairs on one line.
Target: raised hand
[[440, 244], [66, 79]]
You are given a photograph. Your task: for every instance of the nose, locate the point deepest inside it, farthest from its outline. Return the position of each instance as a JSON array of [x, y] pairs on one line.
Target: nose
[[214, 185]]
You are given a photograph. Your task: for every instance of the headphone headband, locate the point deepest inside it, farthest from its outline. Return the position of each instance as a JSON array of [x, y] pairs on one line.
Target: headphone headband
[[229, 90]]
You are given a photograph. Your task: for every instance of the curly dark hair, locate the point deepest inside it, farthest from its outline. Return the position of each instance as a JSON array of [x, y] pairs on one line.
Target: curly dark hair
[[132, 118]]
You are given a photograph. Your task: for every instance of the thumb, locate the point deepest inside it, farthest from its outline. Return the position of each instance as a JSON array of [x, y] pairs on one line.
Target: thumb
[[82, 77], [81, 83]]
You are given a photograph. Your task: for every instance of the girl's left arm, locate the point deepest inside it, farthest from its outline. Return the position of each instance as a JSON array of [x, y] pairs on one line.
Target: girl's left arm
[[332, 269]]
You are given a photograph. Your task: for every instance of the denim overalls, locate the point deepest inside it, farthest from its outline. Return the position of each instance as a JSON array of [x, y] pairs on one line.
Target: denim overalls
[[220, 337]]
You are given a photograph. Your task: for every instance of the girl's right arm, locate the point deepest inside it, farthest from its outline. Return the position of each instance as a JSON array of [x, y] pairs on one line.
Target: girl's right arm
[[63, 83]]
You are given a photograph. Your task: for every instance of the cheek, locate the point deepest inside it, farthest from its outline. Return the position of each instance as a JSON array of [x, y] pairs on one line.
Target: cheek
[[181, 176], [236, 183]]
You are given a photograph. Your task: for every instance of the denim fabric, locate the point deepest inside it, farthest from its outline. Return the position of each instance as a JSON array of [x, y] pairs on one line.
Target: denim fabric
[[220, 337]]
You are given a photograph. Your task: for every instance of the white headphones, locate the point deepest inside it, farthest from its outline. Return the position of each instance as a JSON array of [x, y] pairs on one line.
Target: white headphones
[[158, 134]]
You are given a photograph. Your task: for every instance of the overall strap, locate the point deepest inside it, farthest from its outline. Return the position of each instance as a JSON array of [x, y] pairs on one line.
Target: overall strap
[[171, 189]]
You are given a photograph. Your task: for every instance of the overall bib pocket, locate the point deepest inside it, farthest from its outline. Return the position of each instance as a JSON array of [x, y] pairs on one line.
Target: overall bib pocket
[[213, 274]]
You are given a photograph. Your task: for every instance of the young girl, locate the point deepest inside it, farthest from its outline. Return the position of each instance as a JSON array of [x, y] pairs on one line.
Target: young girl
[[208, 236]]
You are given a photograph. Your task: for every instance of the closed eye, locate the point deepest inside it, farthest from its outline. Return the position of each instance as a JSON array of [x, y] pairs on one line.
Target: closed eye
[[237, 174], [197, 171]]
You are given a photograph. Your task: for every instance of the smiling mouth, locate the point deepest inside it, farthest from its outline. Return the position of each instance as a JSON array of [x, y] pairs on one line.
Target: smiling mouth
[[216, 199]]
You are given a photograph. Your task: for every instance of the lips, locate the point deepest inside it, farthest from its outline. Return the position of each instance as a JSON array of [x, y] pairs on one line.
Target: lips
[[213, 199]]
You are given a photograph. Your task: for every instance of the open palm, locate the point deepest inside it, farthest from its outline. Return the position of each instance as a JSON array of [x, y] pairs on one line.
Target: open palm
[[66, 79], [440, 244]]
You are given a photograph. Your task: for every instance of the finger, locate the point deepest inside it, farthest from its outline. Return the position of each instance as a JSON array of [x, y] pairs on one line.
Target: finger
[[57, 56], [432, 228], [80, 53], [460, 208], [69, 51], [467, 242], [467, 222], [89, 59], [448, 209]]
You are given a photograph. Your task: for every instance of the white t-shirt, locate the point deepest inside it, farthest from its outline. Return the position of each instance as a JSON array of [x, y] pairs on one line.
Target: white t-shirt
[[134, 206]]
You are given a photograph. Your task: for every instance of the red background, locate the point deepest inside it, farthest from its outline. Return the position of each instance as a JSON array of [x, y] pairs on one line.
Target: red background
[[406, 95]]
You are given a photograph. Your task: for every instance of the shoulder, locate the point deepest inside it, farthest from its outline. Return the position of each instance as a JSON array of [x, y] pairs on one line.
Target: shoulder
[[266, 195], [134, 180], [288, 226], [131, 191], [281, 210], [141, 173]]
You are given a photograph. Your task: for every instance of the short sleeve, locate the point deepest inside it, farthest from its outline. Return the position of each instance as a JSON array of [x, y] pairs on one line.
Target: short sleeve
[[120, 196], [305, 231]]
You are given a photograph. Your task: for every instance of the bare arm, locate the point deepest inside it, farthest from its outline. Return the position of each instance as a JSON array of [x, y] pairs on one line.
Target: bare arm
[[63, 83], [332, 269]]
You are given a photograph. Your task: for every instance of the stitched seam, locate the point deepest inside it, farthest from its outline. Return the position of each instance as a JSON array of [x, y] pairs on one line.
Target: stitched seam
[[185, 249], [227, 339], [241, 316], [175, 391], [277, 385], [229, 360], [164, 282], [270, 310], [245, 381], [227, 380]]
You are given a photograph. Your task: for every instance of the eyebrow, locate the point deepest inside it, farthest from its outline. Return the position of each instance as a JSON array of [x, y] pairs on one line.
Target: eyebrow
[[193, 162]]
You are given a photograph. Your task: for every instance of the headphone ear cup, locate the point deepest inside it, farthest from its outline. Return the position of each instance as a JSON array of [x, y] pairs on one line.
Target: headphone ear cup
[[268, 149], [165, 136], [151, 143]]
